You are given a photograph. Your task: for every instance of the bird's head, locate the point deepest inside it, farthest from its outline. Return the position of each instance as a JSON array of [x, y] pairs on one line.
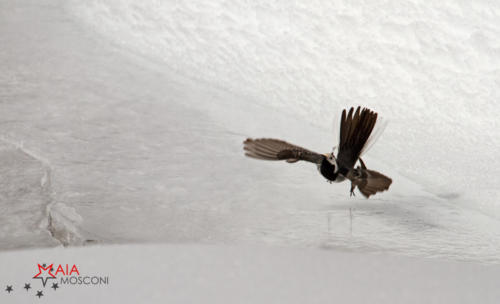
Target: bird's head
[[330, 157], [330, 169]]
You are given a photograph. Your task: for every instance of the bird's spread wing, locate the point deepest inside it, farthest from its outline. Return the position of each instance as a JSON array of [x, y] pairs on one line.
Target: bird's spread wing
[[275, 149], [355, 129], [368, 182]]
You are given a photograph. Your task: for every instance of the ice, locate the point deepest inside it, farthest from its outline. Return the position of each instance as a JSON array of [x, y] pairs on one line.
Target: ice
[[181, 273], [25, 197]]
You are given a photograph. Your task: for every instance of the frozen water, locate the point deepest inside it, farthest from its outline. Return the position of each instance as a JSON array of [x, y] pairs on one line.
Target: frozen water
[[138, 111], [25, 196], [181, 273]]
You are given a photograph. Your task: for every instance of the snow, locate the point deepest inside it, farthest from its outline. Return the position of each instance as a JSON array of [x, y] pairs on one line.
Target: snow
[[432, 68], [191, 273], [123, 123]]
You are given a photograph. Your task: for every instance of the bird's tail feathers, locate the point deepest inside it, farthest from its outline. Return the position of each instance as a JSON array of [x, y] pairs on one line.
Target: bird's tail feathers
[[355, 129], [375, 182]]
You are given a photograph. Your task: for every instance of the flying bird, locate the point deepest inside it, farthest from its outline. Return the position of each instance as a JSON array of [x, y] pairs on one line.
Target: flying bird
[[356, 136]]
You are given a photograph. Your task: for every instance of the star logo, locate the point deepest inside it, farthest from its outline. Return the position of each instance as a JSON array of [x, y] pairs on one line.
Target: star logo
[[41, 269], [55, 286], [39, 294], [27, 286], [9, 289]]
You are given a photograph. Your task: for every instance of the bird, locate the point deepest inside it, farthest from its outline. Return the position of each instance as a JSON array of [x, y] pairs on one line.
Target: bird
[[356, 136]]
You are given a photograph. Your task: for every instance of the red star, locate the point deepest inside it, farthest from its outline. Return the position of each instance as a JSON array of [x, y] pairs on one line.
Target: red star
[[44, 269]]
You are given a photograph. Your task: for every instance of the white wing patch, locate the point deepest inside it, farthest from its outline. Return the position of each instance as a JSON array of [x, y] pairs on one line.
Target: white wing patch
[[377, 131]]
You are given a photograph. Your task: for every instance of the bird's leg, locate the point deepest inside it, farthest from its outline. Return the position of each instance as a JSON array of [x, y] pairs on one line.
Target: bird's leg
[[350, 217], [352, 190]]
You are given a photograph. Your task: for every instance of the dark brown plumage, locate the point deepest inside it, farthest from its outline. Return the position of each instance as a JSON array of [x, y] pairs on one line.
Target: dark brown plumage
[[275, 149], [356, 127]]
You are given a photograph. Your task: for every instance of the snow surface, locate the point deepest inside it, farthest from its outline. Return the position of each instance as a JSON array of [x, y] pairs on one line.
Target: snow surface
[[226, 274], [123, 122], [431, 68]]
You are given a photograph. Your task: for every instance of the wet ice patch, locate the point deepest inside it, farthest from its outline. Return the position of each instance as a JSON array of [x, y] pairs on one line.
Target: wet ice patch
[[24, 196], [63, 224]]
